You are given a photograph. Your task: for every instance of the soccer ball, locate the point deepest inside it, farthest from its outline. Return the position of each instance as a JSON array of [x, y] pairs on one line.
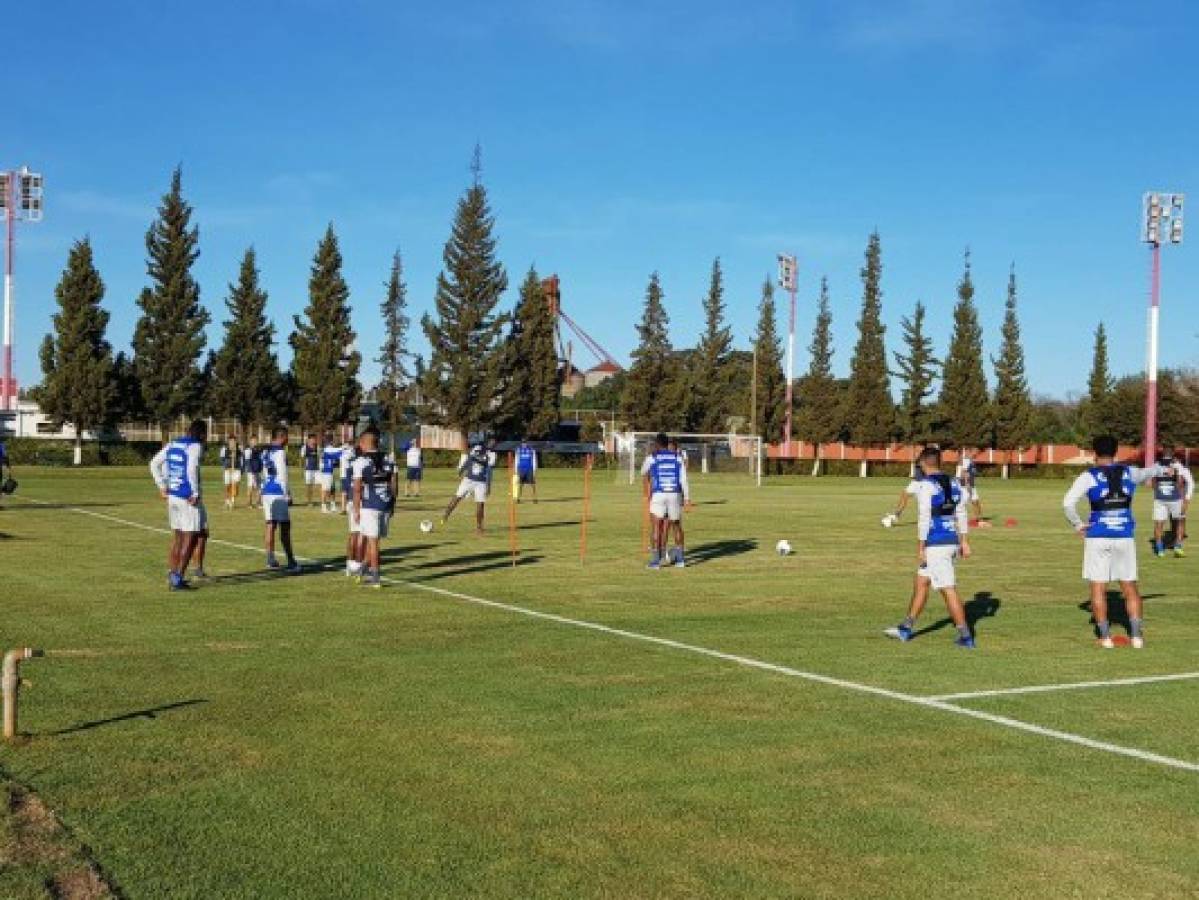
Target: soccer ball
[[888, 521], [426, 526], [783, 548]]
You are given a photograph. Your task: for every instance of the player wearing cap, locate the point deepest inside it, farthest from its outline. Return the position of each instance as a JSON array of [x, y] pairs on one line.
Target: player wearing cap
[[941, 539]]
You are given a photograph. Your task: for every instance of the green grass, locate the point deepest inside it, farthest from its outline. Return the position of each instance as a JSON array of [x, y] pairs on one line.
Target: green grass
[[300, 737]]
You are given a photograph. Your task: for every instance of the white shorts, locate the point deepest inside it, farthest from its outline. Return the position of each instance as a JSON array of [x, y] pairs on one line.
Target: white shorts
[[325, 480], [374, 523], [476, 489], [185, 516], [971, 495], [232, 476], [666, 506], [274, 508], [310, 476], [355, 528], [1165, 510], [252, 479], [939, 569], [1109, 559]]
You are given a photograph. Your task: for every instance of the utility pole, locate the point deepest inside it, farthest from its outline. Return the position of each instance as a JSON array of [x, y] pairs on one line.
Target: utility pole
[[21, 200]]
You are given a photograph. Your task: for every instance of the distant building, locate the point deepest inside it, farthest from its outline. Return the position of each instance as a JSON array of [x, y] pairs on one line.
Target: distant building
[[573, 381], [600, 373]]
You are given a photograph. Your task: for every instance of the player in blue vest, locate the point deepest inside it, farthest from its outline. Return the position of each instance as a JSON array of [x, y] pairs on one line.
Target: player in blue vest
[[666, 481], [329, 459], [940, 539], [1173, 489], [176, 472], [374, 479], [1109, 535], [252, 464], [475, 468], [310, 462], [276, 501], [526, 469]]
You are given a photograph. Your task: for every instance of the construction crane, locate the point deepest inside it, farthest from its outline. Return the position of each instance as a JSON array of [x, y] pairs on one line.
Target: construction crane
[[553, 295]]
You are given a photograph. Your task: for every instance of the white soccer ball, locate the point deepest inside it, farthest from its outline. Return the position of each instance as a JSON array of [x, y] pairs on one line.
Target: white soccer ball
[[888, 521], [426, 526], [783, 548]]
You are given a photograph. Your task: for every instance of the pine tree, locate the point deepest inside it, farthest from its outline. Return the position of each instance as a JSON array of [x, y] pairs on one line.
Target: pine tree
[[964, 405], [917, 369], [324, 363], [246, 382], [651, 393], [821, 413], [80, 385], [169, 338], [464, 374], [771, 377], [1097, 406], [393, 355], [1013, 402], [532, 391], [870, 411], [128, 404], [710, 399]]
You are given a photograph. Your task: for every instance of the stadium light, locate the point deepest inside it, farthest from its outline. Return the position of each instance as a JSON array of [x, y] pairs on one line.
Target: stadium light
[[20, 200], [1161, 222], [789, 282]]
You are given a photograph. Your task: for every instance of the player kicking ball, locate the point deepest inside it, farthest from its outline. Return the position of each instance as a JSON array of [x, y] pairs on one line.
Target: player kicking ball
[[1109, 542], [666, 481], [475, 469], [941, 538]]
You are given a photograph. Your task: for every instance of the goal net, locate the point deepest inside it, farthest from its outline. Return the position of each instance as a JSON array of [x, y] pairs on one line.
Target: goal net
[[705, 454]]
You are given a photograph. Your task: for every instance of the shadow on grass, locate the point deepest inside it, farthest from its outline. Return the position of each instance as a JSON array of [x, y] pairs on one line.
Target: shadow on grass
[[69, 506], [1117, 610], [703, 553], [151, 713], [710, 502], [495, 565], [536, 525], [982, 605], [468, 559]]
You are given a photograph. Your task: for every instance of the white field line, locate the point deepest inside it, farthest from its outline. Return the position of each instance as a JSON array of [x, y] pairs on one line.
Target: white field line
[[746, 661], [1068, 686]]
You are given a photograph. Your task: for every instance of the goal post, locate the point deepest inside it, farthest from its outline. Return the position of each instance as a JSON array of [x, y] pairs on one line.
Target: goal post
[[705, 454]]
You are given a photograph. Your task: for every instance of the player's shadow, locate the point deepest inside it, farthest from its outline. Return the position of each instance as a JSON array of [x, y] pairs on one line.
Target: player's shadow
[[535, 525], [1117, 610], [531, 502], [702, 553], [982, 605], [408, 550], [151, 713], [70, 506], [468, 559], [486, 562]]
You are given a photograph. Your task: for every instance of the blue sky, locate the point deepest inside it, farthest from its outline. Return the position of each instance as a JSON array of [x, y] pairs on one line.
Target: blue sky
[[624, 137]]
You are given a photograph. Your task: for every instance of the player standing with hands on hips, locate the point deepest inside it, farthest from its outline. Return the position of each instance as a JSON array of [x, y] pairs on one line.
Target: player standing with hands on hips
[[666, 479], [941, 538], [1109, 542]]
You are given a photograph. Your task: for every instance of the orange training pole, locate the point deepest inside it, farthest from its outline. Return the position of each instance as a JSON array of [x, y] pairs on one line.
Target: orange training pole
[[586, 508]]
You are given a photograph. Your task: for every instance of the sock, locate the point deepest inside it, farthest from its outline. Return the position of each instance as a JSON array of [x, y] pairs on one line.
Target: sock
[[1134, 627], [653, 557], [1105, 628], [964, 631], [1158, 546], [908, 623]]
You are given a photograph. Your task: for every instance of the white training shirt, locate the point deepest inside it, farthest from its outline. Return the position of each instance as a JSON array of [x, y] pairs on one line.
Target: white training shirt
[[158, 467], [414, 457], [1188, 480], [347, 454], [1084, 482]]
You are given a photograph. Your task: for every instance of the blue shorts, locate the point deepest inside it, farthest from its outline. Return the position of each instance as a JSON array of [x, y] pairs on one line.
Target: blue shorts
[[415, 473], [529, 477]]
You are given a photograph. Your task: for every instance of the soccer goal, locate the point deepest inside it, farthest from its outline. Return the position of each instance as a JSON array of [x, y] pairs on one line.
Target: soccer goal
[[705, 454]]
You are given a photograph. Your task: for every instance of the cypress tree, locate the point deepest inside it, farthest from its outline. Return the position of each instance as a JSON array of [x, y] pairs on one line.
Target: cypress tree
[[709, 397], [169, 338], [1013, 402], [464, 372], [1097, 407], [246, 382], [651, 392], [821, 414], [80, 385], [771, 377], [917, 369], [128, 403], [965, 409], [531, 393], [324, 363], [870, 411], [393, 355]]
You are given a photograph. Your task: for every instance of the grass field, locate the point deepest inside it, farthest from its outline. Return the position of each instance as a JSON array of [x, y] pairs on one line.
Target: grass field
[[267, 736]]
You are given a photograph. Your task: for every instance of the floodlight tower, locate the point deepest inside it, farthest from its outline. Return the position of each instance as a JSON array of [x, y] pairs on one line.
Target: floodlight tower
[[1161, 222], [20, 200], [789, 282]]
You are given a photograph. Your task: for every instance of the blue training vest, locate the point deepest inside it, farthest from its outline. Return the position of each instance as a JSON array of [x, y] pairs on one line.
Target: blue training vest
[[477, 468], [1167, 488], [272, 486], [943, 527], [665, 473], [376, 482], [329, 459], [176, 464], [524, 459], [1111, 502]]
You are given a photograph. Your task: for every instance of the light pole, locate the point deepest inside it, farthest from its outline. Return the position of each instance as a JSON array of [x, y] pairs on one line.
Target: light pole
[[789, 281], [1161, 222], [21, 200]]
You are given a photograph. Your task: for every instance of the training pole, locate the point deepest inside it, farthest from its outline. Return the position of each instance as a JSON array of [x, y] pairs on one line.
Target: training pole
[[1155, 286], [586, 508], [512, 545], [6, 400]]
